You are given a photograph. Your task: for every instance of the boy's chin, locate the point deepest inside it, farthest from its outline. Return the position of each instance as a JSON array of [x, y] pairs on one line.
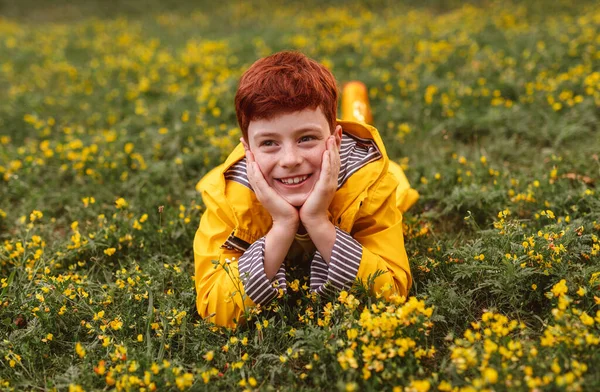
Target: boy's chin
[[296, 200]]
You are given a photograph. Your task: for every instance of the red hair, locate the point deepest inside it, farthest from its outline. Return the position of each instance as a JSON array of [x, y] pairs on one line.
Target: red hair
[[285, 82]]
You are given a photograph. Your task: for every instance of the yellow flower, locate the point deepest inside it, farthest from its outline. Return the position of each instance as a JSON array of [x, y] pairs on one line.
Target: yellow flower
[[110, 251], [184, 381], [366, 373], [352, 333], [418, 386], [294, 286], [490, 375], [116, 324], [252, 382], [555, 367], [560, 288], [403, 128], [101, 368], [586, 319], [35, 215], [154, 368], [80, 350], [121, 203], [237, 365], [209, 355], [87, 201], [97, 316]]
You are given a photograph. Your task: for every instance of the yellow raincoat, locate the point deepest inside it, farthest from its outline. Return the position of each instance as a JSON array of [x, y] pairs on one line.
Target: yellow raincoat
[[368, 206]]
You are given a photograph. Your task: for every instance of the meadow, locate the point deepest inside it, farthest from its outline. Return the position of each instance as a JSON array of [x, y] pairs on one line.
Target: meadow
[[110, 116]]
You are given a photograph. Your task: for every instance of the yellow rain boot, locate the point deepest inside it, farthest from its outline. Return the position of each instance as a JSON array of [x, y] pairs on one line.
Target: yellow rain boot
[[356, 107]]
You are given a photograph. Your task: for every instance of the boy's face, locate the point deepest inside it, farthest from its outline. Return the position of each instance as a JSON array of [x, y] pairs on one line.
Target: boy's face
[[289, 150]]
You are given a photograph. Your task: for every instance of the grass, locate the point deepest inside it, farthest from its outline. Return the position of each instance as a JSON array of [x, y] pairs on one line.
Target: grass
[[110, 115]]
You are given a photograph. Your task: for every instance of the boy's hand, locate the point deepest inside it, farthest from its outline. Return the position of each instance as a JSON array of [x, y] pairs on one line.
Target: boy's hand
[[314, 210], [283, 213]]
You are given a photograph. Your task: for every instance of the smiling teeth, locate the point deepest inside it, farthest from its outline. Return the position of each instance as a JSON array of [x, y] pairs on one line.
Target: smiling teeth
[[294, 180]]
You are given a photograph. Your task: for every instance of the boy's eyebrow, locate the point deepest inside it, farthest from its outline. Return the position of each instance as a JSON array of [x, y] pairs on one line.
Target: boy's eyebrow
[[297, 131]]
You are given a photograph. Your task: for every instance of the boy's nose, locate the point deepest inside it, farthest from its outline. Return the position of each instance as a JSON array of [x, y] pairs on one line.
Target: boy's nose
[[291, 157]]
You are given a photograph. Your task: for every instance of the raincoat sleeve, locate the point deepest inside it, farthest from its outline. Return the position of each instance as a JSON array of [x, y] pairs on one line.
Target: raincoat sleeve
[[228, 280], [373, 250]]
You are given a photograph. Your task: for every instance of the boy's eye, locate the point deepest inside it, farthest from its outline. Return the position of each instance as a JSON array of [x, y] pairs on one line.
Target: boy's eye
[[306, 138], [267, 143]]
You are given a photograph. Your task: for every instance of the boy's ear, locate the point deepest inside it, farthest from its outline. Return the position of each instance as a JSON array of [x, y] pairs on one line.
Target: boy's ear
[[246, 147], [337, 133]]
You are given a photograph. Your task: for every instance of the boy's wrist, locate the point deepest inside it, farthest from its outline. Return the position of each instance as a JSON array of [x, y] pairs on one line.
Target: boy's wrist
[[322, 233], [277, 243], [315, 221], [286, 226], [316, 226]]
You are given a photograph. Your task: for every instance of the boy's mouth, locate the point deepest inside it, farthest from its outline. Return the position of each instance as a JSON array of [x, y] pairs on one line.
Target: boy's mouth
[[294, 180]]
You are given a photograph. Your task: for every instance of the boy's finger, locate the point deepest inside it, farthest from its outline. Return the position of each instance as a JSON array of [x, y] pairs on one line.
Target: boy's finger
[[259, 179], [334, 148], [335, 160], [249, 156], [325, 167]]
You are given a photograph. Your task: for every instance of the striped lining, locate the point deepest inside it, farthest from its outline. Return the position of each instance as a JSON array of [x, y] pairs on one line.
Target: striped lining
[[237, 172], [355, 153], [252, 273], [318, 272], [341, 272], [235, 243]]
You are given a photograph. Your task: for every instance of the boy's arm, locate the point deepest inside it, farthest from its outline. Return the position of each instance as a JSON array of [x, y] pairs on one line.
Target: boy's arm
[[338, 255], [314, 211], [375, 244], [256, 265], [284, 216]]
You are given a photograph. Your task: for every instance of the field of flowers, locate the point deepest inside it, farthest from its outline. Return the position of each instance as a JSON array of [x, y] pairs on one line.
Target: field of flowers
[[109, 118]]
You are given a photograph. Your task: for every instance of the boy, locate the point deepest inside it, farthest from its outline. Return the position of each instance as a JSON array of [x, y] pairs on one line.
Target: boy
[[299, 186]]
